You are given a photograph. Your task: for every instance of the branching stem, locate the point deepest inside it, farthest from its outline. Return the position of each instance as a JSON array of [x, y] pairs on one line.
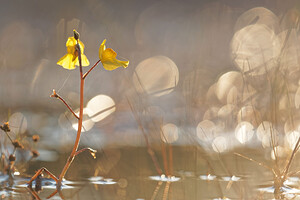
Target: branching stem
[[55, 95], [87, 73]]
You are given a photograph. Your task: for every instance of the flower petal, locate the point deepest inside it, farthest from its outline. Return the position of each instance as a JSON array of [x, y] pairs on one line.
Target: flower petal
[[84, 61], [70, 44], [108, 58], [67, 62], [114, 64], [101, 49], [108, 54]]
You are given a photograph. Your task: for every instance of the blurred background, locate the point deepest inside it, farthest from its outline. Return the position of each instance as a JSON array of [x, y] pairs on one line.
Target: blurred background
[[208, 76]]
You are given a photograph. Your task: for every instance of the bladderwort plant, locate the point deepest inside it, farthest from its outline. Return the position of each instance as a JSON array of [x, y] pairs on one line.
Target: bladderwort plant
[[75, 56], [8, 159]]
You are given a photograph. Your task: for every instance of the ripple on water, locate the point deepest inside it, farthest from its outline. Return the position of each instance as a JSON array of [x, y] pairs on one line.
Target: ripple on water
[[292, 181], [47, 183], [98, 180], [231, 178], [210, 177], [288, 192], [164, 178]]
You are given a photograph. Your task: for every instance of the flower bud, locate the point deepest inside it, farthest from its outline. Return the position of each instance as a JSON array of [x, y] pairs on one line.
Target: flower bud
[[54, 94], [17, 144], [76, 34], [12, 158], [35, 138], [35, 153], [5, 127]]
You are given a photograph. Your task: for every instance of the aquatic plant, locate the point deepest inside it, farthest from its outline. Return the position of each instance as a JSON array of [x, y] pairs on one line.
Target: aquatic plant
[[75, 57]]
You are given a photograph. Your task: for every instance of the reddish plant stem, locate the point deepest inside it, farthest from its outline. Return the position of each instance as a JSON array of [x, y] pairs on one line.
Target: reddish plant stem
[[87, 73], [156, 190], [66, 104], [170, 159], [149, 149], [8, 136], [73, 153], [92, 151], [166, 190], [34, 193], [165, 160]]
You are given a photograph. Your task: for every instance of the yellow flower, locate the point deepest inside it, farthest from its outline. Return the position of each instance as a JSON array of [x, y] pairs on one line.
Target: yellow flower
[[108, 58], [69, 60]]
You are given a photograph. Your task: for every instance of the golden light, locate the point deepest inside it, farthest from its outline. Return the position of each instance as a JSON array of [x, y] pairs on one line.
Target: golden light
[[169, 133], [292, 125], [297, 98], [249, 114], [244, 132], [211, 113], [290, 57], [278, 152], [226, 111], [292, 138], [255, 49], [258, 15], [206, 130], [18, 123], [87, 123], [219, 144], [99, 107], [226, 83], [156, 76], [267, 134]]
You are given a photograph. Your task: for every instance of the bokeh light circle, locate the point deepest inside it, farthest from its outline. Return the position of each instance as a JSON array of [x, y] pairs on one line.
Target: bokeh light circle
[[18, 123], [219, 144], [169, 133], [156, 75], [255, 49], [87, 123], [206, 130], [244, 132], [226, 82], [99, 107]]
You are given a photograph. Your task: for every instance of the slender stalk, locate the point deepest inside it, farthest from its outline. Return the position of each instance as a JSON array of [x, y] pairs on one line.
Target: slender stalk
[[34, 193], [156, 190], [73, 153], [170, 159], [291, 158], [8, 136], [149, 149], [165, 160], [166, 190], [259, 163], [87, 73], [55, 95]]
